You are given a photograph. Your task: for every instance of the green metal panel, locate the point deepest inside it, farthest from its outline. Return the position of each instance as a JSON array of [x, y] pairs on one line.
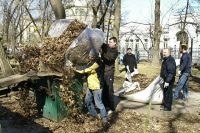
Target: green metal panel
[[54, 109], [52, 106]]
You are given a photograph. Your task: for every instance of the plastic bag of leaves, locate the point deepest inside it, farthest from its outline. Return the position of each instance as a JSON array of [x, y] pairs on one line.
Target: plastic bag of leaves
[[78, 51]]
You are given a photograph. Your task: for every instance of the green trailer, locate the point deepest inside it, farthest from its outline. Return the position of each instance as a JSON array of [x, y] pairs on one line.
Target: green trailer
[[46, 88]]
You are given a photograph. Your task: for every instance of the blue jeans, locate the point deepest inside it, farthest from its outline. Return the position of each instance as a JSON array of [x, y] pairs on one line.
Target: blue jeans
[[182, 85], [96, 95]]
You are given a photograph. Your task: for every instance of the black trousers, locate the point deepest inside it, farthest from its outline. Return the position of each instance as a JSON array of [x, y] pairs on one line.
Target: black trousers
[[168, 96], [108, 92]]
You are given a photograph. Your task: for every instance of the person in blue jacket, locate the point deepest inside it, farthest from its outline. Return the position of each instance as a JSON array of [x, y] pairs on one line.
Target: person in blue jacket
[[184, 72]]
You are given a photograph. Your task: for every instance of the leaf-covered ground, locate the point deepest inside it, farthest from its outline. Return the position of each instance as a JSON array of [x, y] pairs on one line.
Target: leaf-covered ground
[[130, 118]]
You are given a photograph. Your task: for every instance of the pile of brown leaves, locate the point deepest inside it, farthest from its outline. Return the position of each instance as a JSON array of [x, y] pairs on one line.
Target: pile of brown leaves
[[52, 52]]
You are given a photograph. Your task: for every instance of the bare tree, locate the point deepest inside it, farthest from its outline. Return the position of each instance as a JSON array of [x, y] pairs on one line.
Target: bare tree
[[9, 12], [109, 21], [58, 9], [182, 35], [116, 26], [157, 34], [99, 10], [13, 19], [44, 16], [5, 66], [117, 16]]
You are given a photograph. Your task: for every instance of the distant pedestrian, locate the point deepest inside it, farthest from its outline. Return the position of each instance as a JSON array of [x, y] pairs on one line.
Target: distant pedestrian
[[130, 62], [184, 73], [168, 73], [109, 55]]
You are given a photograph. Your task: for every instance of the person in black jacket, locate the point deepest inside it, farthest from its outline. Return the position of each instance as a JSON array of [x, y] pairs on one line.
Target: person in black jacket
[[109, 55], [168, 73], [129, 61]]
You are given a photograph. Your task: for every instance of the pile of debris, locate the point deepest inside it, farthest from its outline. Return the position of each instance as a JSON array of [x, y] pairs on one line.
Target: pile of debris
[[69, 42], [29, 59], [50, 57], [52, 52], [143, 80]]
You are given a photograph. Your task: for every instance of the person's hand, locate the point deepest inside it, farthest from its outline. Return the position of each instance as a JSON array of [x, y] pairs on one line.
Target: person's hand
[[179, 72], [73, 68], [127, 67], [132, 74], [166, 85], [136, 71]]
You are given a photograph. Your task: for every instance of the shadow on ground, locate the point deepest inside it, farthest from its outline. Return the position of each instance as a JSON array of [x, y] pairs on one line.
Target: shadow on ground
[[12, 122], [194, 83]]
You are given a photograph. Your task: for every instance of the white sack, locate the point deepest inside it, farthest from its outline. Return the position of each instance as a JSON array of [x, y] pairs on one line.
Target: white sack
[[152, 93]]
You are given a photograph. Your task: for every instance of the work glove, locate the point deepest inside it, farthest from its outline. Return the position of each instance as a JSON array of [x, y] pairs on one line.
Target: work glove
[[127, 67], [132, 74], [73, 68], [166, 85], [128, 76], [179, 72], [136, 71]]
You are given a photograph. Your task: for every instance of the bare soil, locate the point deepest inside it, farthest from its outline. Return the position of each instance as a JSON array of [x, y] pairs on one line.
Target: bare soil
[[130, 117]]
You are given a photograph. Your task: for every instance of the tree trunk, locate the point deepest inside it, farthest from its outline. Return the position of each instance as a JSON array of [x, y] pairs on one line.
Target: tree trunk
[[4, 64], [157, 34], [116, 27], [94, 20], [117, 15], [95, 9], [58, 9]]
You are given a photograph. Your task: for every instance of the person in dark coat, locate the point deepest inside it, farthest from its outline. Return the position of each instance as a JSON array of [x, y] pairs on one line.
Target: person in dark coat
[[109, 55], [129, 61], [184, 73], [168, 73]]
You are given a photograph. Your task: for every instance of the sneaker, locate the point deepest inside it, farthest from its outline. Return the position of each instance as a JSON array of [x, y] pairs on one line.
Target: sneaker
[[161, 107], [91, 118], [184, 99], [106, 124], [166, 109], [175, 98]]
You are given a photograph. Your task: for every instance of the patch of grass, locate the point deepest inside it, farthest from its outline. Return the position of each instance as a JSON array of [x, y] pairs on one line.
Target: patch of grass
[[148, 69], [196, 72]]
